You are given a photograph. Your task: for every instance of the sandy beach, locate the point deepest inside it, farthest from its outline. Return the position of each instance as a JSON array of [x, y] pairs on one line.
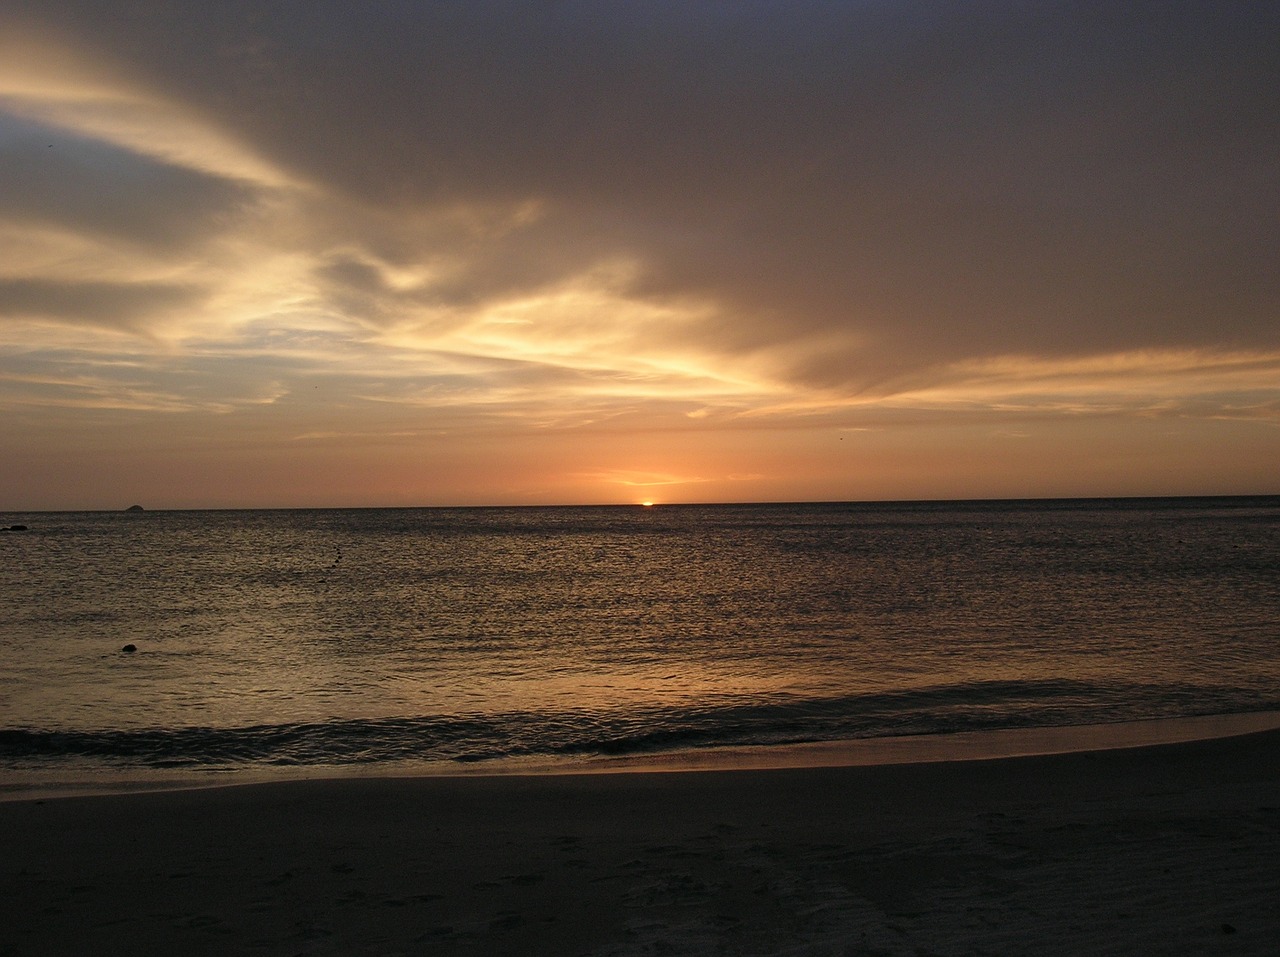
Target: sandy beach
[[1169, 849]]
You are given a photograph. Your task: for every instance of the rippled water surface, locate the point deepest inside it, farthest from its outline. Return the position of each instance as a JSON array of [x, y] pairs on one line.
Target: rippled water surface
[[338, 636]]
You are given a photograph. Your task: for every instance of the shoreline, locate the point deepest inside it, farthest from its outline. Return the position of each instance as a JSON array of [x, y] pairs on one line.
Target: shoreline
[[996, 744], [1165, 848]]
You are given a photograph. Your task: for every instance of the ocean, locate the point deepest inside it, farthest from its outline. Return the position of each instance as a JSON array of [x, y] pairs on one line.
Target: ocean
[[477, 638]]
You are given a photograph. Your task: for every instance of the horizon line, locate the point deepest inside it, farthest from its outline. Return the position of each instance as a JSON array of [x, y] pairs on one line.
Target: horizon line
[[780, 503]]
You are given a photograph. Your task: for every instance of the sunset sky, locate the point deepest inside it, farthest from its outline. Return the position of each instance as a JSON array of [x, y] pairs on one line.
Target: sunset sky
[[438, 253]]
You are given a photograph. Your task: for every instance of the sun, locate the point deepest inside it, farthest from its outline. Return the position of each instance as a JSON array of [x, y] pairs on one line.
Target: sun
[[647, 504]]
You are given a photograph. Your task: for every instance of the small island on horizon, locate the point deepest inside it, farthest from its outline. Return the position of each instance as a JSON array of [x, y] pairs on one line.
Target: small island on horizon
[[135, 508]]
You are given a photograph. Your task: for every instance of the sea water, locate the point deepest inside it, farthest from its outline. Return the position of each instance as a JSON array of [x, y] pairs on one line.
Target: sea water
[[473, 637]]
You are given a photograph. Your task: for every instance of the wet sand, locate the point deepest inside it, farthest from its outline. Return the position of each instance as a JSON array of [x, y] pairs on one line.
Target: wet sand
[[1167, 849]]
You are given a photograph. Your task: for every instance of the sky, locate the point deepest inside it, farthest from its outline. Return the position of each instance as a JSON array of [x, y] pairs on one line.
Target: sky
[[291, 254]]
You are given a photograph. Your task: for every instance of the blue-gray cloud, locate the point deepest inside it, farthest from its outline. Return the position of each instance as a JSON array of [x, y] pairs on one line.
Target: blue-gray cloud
[[56, 179]]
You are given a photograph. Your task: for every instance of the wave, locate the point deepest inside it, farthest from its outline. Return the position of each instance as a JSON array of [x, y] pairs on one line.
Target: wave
[[469, 738]]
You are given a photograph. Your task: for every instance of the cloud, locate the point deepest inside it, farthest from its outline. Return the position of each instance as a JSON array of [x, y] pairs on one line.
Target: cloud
[[119, 306], [82, 185], [586, 213], [868, 187]]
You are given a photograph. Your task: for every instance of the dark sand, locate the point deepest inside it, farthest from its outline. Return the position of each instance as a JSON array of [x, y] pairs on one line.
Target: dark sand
[[1171, 849]]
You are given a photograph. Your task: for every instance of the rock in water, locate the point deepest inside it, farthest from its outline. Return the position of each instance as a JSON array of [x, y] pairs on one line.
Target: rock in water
[[129, 649]]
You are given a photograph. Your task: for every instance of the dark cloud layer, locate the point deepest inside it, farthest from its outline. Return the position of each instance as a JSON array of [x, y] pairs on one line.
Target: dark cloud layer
[[75, 183], [863, 191]]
